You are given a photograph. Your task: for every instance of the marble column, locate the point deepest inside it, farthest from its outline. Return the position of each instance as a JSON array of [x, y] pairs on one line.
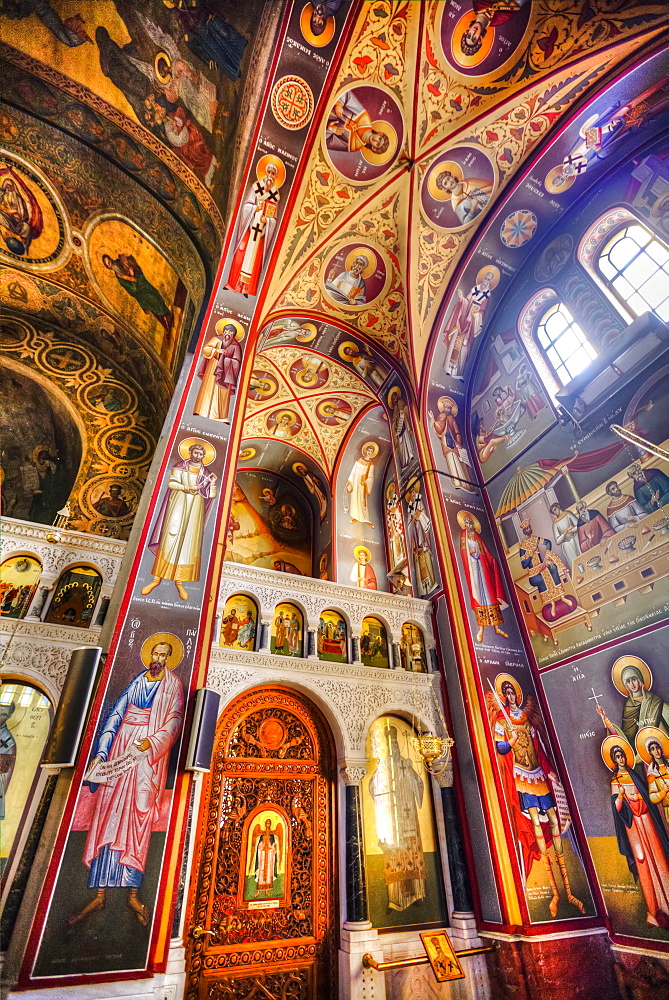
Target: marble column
[[103, 607], [355, 649], [311, 643], [265, 636], [357, 910], [36, 608], [457, 864], [396, 662]]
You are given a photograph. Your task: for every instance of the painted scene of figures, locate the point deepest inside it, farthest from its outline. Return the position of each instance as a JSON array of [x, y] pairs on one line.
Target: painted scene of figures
[[239, 623], [287, 630], [332, 637]]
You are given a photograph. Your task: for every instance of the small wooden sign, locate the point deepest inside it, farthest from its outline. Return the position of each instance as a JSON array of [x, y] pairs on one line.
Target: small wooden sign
[[442, 956]]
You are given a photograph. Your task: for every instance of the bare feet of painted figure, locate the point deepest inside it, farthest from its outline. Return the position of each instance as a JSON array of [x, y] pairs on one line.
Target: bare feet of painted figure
[[99, 902], [157, 580]]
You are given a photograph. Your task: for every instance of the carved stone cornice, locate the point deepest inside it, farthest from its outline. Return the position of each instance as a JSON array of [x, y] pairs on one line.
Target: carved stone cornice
[[75, 547], [270, 587]]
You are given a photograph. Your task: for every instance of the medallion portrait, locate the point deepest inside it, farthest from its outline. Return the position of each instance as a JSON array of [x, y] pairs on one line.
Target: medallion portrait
[[479, 36], [458, 187], [32, 221], [334, 412], [283, 424], [354, 276], [364, 132], [309, 372]]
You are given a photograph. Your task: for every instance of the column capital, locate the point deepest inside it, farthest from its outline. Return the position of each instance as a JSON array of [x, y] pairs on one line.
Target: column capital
[[444, 776], [353, 771]]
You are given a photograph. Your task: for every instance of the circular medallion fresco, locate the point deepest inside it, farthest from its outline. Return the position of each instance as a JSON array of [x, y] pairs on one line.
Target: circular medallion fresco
[[478, 37], [364, 132], [292, 102], [518, 228], [283, 424], [334, 412], [263, 385], [457, 187], [33, 229], [354, 276], [309, 372]]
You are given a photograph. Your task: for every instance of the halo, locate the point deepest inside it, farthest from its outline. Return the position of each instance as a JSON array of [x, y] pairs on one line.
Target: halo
[[644, 736], [619, 741], [156, 61], [373, 445], [487, 270], [368, 255], [503, 679], [297, 466], [392, 396], [376, 159], [462, 514], [353, 347], [316, 41], [265, 377], [551, 186], [310, 332], [245, 454], [240, 332], [414, 483], [456, 49], [446, 165], [449, 399], [279, 164], [279, 413], [187, 443], [630, 661], [175, 642], [362, 548], [391, 489]]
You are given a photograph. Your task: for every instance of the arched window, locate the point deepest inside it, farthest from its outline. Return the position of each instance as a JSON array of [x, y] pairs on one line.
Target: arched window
[[563, 343], [635, 265], [19, 576], [75, 597]]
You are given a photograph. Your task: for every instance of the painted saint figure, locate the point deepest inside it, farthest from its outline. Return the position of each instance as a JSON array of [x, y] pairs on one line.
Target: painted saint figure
[[267, 855], [219, 371], [256, 227], [398, 791], [21, 219], [547, 569], [632, 678], [132, 280], [466, 321], [360, 483], [362, 574], [315, 487], [350, 128], [529, 779], [469, 196], [592, 527], [7, 754], [452, 445], [484, 580], [395, 527], [623, 510], [421, 526], [651, 487], [176, 539], [487, 15], [565, 533], [145, 721], [349, 287], [400, 427], [640, 832], [652, 746]]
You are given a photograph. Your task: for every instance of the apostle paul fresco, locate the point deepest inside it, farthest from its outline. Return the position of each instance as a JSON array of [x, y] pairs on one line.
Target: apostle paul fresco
[[132, 280], [141, 728], [176, 540]]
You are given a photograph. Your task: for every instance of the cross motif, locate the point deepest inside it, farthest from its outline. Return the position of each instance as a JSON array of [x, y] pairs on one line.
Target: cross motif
[[292, 108], [126, 444], [65, 359]]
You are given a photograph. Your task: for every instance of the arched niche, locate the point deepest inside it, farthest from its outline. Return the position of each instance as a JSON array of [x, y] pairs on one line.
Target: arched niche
[[332, 637], [239, 623], [412, 648], [19, 576], [75, 597], [287, 630], [374, 649], [40, 447]]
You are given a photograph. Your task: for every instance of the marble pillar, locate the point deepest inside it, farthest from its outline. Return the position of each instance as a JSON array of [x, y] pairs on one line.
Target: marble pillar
[[265, 636]]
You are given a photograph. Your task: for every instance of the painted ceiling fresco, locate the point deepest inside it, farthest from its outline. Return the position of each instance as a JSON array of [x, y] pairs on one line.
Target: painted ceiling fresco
[[452, 120]]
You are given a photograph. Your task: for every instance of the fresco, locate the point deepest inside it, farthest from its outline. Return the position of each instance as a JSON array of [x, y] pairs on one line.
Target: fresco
[[239, 623], [287, 631], [256, 226], [582, 521], [25, 720], [364, 133], [360, 541], [355, 276], [404, 879], [32, 217], [269, 524], [613, 729], [374, 650], [332, 637], [19, 576], [267, 872], [458, 187], [480, 38], [412, 649], [75, 597], [219, 370]]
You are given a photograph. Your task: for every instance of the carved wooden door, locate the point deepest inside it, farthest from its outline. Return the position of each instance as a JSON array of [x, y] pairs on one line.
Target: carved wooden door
[[262, 908]]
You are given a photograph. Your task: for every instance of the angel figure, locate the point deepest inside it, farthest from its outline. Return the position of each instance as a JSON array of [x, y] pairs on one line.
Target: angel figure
[[531, 784], [267, 854]]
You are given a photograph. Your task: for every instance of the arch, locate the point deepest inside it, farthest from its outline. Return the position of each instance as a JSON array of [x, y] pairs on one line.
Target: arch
[[413, 652], [374, 647], [333, 636], [19, 577], [75, 596], [634, 265], [287, 636], [239, 623]]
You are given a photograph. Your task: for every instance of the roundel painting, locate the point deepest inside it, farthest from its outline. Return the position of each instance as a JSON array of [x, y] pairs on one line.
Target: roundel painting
[[457, 187], [364, 132], [479, 36]]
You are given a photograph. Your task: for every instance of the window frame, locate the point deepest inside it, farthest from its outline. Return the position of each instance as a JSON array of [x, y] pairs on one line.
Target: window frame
[[594, 266], [550, 308]]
